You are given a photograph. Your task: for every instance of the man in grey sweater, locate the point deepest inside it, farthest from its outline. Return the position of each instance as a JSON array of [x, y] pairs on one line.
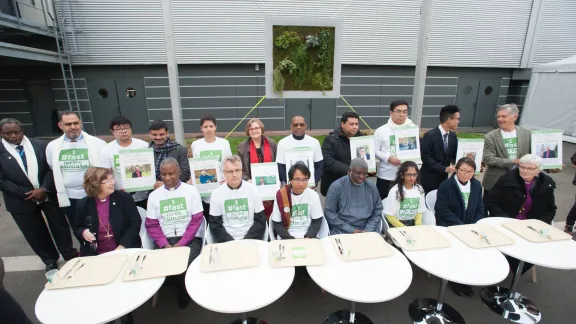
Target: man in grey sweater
[[353, 204]]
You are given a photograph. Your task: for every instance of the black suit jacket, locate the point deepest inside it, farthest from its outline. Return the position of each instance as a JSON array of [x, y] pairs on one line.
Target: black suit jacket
[[449, 208], [435, 159], [14, 182], [125, 220]]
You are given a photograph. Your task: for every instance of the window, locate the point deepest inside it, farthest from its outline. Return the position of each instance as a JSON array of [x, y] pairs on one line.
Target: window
[[103, 93], [130, 92]]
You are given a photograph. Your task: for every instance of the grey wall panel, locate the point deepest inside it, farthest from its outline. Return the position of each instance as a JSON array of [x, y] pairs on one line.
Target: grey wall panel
[[264, 112], [78, 82], [231, 79], [440, 91], [163, 92], [213, 91], [447, 100], [150, 82], [11, 84], [368, 111], [371, 90], [60, 93], [209, 102], [555, 37], [14, 106], [23, 117], [199, 113], [429, 122], [160, 103], [12, 94], [160, 114]]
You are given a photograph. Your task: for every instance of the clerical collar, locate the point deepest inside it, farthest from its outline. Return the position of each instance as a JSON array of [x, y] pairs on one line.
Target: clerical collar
[[299, 138], [172, 189], [78, 139], [240, 185]]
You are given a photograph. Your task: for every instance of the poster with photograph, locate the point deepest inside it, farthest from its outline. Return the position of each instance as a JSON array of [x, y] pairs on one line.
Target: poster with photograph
[[137, 169], [206, 174], [471, 148], [363, 147], [301, 155], [265, 178], [547, 144], [408, 143]]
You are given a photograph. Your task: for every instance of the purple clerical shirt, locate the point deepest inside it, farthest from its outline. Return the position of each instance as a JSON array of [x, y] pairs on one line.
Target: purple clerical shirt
[[105, 244], [527, 205]]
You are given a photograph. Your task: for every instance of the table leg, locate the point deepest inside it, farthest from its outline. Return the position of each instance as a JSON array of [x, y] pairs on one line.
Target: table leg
[[509, 303], [428, 310], [348, 317], [248, 320]]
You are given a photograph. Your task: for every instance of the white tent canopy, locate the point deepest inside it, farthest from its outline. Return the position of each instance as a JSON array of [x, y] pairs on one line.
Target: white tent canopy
[[551, 99]]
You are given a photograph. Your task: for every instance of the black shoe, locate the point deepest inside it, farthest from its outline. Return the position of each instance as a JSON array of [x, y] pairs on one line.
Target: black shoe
[[71, 255], [183, 301], [51, 266]]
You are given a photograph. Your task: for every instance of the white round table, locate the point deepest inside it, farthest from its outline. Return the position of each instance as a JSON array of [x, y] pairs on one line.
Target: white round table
[[458, 263], [508, 302], [241, 290], [337, 277], [114, 300]]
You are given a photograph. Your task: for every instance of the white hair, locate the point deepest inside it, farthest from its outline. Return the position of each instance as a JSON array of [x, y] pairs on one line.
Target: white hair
[[512, 108], [232, 158], [170, 161], [532, 159]]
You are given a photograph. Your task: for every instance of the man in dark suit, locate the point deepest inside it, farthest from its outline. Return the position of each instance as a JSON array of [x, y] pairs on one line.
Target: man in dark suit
[[548, 154], [438, 149], [28, 187]]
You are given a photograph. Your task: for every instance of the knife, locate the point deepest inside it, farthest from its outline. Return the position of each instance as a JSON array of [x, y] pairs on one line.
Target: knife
[[539, 232], [484, 238], [74, 266]]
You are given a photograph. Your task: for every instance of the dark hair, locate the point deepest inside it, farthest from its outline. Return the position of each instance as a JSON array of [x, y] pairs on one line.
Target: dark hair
[[120, 120], [206, 118], [447, 112], [300, 166], [465, 160], [66, 113], [397, 103], [348, 114], [400, 181], [157, 125]]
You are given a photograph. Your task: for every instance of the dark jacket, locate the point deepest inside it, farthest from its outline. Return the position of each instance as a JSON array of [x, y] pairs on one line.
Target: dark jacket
[[180, 153], [573, 160], [336, 156], [14, 182], [243, 151], [125, 220], [435, 159], [449, 208], [507, 196]]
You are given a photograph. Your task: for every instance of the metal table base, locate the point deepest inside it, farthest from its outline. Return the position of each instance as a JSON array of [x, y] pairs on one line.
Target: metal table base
[[248, 320], [347, 317], [434, 311]]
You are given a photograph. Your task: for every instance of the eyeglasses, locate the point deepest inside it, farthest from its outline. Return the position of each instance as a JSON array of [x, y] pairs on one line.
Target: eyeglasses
[[528, 169], [300, 180], [231, 172], [123, 129], [108, 181], [468, 172], [401, 112], [410, 175], [299, 125], [253, 129]]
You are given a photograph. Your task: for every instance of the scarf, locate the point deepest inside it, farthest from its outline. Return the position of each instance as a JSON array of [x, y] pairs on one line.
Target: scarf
[[284, 201], [93, 157], [265, 150], [394, 126], [162, 153], [31, 160]]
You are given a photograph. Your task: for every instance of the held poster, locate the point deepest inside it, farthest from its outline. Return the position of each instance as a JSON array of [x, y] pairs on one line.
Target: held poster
[[472, 148], [301, 155], [137, 169], [206, 174], [408, 144], [363, 147], [265, 178], [547, 144]]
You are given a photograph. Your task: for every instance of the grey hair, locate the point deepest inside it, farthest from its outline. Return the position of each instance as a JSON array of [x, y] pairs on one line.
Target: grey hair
[[170, 160], [358, 162], [233, 159], [10, 121], [512, 108], [532, 159]]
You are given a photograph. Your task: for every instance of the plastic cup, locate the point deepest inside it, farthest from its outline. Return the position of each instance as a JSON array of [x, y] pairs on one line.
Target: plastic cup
[[51, 275]]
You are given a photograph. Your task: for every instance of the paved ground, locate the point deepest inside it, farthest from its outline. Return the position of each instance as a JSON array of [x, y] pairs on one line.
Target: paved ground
[[553, 293]]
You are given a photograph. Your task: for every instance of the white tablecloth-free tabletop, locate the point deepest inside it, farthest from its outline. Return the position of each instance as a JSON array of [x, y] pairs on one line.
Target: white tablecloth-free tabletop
[[111, 301], [364, 281], [240, 290], [556, 255], [460, 263]]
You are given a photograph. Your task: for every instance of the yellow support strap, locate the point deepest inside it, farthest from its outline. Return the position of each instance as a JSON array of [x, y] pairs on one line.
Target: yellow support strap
[[362, 119], [233, 129]]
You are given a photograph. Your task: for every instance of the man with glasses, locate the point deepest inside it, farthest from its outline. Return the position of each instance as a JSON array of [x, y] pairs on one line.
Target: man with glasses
[[236, 209], [438, 149], [299, 139], [121, 128], [353, 204], [385, 145]]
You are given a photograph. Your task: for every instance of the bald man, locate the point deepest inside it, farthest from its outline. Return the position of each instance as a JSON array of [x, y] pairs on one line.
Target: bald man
[[298, 139], [353, 204]]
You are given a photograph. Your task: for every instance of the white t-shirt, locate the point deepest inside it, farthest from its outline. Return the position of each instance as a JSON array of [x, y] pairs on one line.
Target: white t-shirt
[[109, 159], [510, 143], [174, 208], [413, 203], [73, 163], [385, 146], [465, 191], [220, 147], [289, 143], [237, 207], [305, 207]]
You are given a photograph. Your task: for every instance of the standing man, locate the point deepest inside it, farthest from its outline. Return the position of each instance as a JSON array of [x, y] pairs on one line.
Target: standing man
[[70, 156], [438, 149], [336, 150], [298, 139], [121, 128], [571, 218], [164, 147], [28, 188], [385, 146], [503, 147]]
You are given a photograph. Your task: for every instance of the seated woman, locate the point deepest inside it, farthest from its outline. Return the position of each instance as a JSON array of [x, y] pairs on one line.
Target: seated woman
[[405, 203], [297, 209], [106, 219], [459, 202], [174, 216], [523, 193]]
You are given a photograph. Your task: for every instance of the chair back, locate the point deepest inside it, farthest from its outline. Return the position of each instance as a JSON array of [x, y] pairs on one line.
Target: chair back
[[431, 200], [428, 218], [324, 230], [147, 242]]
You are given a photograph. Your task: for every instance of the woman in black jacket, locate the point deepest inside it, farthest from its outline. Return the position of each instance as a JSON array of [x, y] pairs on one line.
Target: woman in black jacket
[[106, 219]]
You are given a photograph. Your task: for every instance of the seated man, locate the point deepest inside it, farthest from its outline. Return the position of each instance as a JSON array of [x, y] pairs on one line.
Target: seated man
[[353, 204], [236, 209]]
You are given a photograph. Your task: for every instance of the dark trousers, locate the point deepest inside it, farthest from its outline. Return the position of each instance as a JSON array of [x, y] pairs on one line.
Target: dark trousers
[[484, 198], [383, 187], [142, 203], [206, 210], [11, 310], [36, 232], [70, 212], [195, 248], [571, 215], [513, 262]]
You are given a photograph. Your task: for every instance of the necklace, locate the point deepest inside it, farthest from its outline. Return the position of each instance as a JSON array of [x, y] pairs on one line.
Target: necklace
[[108, 235]]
